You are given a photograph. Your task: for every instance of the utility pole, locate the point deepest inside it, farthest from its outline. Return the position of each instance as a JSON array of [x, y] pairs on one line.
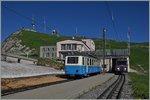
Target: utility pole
[[129, 39], [104, 32], [128, 35]]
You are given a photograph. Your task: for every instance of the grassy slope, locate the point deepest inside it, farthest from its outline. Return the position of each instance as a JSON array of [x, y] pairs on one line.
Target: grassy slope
[[110, 44], [140, 57], [37, 39], [140, 85], [139, 52]]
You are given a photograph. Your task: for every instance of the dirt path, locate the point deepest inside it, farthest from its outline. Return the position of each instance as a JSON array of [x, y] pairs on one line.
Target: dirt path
[[30, 81], [66, 90], [132, 70]]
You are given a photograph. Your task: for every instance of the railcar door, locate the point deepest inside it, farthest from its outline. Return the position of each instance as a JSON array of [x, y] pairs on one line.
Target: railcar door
[[87, 69]]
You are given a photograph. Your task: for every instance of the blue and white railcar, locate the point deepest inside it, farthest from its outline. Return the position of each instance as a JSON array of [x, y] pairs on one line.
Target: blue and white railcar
[[81, 65]]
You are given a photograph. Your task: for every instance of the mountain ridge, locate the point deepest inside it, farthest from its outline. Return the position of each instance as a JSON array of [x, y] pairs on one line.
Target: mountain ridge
[[28, 41]]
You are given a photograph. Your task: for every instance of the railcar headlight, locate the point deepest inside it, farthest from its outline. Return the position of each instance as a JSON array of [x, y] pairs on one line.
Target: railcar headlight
[[118, 68], [124, 68]]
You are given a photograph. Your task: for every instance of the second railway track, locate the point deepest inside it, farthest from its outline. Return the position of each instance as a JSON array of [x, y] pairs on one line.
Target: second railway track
[[114, 90]]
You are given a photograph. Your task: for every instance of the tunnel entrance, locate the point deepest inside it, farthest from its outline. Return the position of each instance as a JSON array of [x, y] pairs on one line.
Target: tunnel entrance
[[114, 60], [113, 64]]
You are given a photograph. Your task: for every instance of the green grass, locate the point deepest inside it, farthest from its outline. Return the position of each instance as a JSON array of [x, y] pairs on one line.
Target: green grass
[[50, 63], [140, 44], [140, 85], [37, 39], [140, 58], [110, 44]]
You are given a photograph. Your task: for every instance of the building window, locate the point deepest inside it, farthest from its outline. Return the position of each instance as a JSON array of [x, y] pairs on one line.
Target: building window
[[52, 55], [74, 46], [52, 49], [64, 56], [48, 49], [68, 46], [47, 55], [62, 46], [43, 49]]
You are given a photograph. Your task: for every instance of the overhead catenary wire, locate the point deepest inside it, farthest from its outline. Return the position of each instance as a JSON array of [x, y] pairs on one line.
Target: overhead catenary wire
[[37, 23], [110, 16], [114, 22], [128, 35]]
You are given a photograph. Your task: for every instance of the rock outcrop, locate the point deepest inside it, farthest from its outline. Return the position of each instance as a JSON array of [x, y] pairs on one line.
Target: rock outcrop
[[13, 44]]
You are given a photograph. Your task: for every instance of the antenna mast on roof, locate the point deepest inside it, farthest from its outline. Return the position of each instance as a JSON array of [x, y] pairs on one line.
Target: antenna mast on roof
[[33, 25], [76, 30], [44, 25]]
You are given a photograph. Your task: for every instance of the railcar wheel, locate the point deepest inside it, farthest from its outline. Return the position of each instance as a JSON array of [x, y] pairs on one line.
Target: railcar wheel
[[68, 76]]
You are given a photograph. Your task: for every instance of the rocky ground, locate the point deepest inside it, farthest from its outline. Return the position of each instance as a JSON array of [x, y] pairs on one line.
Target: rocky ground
[[14, 45], [16, 83], [127, 92], [95, 92]]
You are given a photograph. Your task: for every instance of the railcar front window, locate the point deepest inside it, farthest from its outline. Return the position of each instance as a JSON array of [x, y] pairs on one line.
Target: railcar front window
[[121, 63], [72, 60]]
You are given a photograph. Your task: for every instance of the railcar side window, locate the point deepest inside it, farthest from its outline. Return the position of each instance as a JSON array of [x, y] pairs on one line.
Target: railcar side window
[[90, 62], [72, 60], [87, 61], [82, 60]]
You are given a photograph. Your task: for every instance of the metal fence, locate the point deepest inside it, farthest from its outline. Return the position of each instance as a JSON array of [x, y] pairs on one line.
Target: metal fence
[[108, 52], [113, 52]]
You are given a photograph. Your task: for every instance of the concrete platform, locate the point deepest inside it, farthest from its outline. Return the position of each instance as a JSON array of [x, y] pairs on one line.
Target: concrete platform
[[68, 90]]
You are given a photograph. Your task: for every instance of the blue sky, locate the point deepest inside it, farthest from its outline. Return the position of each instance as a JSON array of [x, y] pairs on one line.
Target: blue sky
[[88, 17]]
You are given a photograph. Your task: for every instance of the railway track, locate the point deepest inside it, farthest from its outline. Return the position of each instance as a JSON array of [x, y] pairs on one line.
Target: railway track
[[114, 90]]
